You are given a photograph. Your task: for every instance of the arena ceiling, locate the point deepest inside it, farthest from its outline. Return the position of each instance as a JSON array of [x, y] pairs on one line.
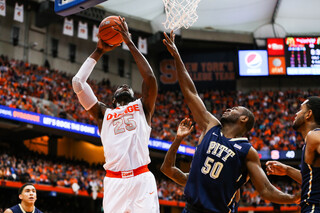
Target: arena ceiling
[[273, 18]]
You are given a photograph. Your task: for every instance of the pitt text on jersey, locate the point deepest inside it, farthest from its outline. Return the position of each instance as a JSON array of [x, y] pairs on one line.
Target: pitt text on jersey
[[220, 151]]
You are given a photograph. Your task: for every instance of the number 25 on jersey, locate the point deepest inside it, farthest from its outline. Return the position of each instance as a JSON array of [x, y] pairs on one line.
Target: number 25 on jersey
[[124, 123]]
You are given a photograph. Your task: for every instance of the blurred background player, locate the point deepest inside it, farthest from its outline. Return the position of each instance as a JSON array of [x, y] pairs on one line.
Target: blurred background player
[[224, 159], [129, 186], [307, 122], [28, 197]]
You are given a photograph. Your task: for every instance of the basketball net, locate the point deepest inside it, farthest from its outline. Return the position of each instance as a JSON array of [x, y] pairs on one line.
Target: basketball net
[[180, 13]]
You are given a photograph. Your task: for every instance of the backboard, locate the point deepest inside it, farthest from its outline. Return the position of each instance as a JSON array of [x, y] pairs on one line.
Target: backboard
[[69, 7]]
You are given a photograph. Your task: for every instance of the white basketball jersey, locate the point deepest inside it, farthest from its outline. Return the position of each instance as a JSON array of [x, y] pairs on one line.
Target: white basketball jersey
[[125, 135]]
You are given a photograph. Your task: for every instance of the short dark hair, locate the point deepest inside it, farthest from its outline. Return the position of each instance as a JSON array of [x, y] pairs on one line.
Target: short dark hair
[[22, 187], [314, 104], [250, 121]]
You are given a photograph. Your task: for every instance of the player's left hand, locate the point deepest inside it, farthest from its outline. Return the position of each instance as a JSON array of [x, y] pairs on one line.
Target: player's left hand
[[185, 128], [123, 30], [169, 42]]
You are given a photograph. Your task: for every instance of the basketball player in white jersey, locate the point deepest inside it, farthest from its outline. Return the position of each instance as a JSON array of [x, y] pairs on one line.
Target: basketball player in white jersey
[[125, 130]]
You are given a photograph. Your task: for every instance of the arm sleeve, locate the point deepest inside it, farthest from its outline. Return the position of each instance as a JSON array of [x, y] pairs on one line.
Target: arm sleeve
[[84, 92]]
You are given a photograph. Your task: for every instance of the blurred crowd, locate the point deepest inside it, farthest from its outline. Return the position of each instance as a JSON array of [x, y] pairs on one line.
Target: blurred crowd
[[21, 83], [79, 175], [75, 174], [250, 197], [36, 168], [23, 86]]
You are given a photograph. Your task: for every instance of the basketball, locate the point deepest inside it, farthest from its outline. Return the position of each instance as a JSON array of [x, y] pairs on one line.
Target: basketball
[[107, 33]]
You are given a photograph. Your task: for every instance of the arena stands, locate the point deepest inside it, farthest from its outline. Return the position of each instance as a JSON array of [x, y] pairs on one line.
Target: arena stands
[[80, 176], [43, 90]]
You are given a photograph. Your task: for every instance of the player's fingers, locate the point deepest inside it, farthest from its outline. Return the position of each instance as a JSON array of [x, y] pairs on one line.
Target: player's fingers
[[271, 162], [116, 29], [183, 121], [166, 36], [164, 41], [121, 19]]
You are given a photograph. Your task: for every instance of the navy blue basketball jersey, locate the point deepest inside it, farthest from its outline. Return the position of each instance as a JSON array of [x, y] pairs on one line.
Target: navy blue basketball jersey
[[17, 209], [310, 188], [217, 172]]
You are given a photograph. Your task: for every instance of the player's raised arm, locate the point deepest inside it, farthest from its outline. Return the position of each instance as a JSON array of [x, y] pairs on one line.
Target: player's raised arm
[[168, 166], [262, 184], [202, 117], [80, 86], [149, 85]]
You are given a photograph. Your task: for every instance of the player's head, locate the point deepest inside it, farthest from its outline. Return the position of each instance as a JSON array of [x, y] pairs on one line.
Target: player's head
[[28, 193], [123, 94], [240, 115], [309, 112]]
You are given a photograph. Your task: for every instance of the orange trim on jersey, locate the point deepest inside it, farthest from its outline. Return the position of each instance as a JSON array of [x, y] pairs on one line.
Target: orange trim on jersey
[[127, 174]]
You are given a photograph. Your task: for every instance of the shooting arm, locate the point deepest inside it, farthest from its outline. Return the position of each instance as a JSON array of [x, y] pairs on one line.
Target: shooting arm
[[168, 166], [149, 85], [80, 86]]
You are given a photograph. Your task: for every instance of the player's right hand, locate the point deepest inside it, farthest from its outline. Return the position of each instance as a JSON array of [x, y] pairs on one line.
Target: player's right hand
[[276, 168], [185, 128], [104, 47]]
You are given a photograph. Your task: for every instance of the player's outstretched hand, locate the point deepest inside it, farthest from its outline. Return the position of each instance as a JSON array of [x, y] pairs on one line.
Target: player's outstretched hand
[[185, 128], [123, 30], [169, 42], [276, 168]]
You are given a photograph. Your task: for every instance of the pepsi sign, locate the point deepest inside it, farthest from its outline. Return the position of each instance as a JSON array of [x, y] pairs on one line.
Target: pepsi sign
[[253, 63]]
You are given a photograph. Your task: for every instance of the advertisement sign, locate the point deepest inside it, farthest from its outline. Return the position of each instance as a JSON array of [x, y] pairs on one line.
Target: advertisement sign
[[275, 46], [207, 70], [76, 127], [253, 63], [302, 55], [277, 65]]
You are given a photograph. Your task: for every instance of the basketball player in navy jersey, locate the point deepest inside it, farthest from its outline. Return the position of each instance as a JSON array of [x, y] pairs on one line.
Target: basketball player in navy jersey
[[307, 122], [28, 196], [224, 159]]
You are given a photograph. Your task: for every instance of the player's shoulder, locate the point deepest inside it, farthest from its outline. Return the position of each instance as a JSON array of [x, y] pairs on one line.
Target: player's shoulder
[[8, 211], [253, 154], [313, 136], [314, 133], [38, 211]]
